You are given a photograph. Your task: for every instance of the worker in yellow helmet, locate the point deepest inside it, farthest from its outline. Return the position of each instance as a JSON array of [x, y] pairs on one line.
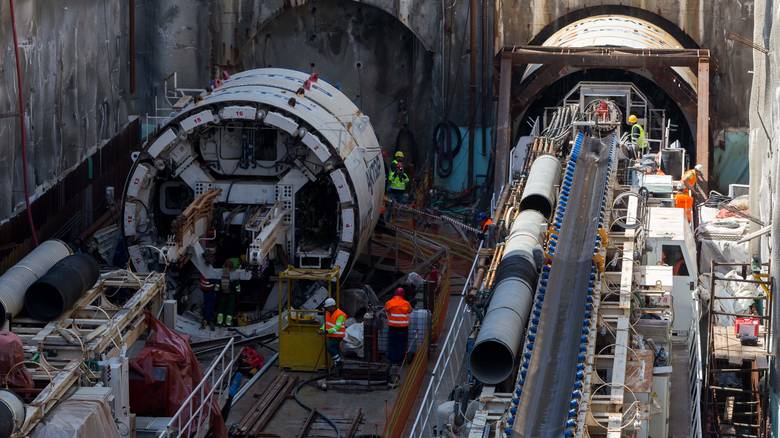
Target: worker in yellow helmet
[[637, 134], [398, 157], [397, 180]]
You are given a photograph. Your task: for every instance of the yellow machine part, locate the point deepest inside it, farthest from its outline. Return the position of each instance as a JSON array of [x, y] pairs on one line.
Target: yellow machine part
[[302, 348]]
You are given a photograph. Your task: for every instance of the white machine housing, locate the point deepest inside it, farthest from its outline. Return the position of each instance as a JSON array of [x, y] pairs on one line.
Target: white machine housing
[[261, 139]]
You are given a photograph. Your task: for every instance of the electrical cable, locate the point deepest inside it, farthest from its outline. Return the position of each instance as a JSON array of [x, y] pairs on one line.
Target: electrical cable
[[310, 409], [443, 144], [20, 93]]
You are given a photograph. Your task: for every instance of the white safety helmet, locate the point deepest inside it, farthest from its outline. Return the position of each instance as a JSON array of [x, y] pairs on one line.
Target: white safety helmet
[[329, 302]]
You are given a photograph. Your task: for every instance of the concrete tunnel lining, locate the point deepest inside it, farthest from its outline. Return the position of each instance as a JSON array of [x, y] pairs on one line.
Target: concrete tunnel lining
[[609, 26]]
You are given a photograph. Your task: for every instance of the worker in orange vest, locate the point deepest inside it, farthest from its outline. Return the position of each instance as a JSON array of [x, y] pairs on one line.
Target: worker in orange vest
[[398, 311], [485, 221], [334, 330]]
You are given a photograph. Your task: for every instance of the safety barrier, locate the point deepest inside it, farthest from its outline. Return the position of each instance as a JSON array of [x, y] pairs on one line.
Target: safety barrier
[[193, 419], [415, 374], [447, 370]]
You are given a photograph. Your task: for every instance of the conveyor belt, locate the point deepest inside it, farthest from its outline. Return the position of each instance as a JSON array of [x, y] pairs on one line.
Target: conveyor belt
[[548, 382]]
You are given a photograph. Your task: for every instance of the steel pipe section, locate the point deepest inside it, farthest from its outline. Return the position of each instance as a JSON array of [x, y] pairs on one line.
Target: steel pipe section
[[264, 137], [493, 356], [61, 287], [540, 186], [15, 281]]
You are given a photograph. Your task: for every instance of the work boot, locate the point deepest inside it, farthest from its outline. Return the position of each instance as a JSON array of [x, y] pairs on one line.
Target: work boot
[[203, 324], [220, 318], [229, 321], [337, 367]]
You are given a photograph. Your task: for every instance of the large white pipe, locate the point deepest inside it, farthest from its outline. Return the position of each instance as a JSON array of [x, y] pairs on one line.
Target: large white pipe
[[15, 281], [493, 356], [539, 191]]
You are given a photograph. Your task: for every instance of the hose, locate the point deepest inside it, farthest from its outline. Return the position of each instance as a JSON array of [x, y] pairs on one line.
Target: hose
[[310, 409], [443, 143], [20, 92]]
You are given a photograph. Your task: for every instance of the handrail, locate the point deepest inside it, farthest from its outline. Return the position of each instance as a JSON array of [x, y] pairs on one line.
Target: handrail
[[226, 359], [443, 361]]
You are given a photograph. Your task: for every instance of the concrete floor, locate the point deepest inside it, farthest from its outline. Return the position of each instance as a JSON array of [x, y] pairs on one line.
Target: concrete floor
[[680, 400], [339, 405], [336, 404]]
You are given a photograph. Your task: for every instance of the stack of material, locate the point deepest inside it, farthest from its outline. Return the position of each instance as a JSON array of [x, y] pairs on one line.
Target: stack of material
[[85, 413], [261, 413]]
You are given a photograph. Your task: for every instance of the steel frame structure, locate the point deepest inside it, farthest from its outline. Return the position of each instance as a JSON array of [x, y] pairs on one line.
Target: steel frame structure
[[568, 58], [716, 395]]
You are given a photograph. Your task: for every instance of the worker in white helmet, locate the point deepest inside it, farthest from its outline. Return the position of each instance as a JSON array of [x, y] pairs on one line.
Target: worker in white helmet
[[334, 329]]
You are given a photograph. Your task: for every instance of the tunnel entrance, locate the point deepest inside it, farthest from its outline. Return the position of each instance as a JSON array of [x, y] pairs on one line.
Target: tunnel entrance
[[553, 95], [601, 46], [387, 73]]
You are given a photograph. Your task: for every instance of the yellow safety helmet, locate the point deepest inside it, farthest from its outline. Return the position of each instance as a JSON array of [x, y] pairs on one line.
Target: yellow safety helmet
[[399, 154], [632, 119]]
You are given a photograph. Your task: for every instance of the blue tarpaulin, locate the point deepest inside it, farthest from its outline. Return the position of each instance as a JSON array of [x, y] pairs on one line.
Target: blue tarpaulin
[[456, 182]]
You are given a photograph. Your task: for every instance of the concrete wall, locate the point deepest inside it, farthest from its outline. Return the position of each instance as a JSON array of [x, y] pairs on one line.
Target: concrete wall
[[74, 56], [765, 155]]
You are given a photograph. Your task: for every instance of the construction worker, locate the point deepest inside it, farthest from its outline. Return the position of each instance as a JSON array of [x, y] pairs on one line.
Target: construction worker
[[485, 221], [249, 363], [209, 302], [694, 181], [397, 182], [334, 330], [229, 290], [398, 311], [637, 134], [398, 157]]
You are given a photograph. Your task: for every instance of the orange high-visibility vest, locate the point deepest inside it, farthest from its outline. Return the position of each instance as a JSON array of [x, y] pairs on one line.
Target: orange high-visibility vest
[[486, 223], [332, 322], [398, 310], [684, 200]]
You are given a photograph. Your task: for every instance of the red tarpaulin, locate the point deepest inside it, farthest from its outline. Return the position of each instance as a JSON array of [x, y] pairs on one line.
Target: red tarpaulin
[[163, 375]]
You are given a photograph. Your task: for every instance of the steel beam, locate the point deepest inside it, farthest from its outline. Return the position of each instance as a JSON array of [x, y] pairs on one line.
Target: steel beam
[[504, 126], [606, 56], [703, 117]]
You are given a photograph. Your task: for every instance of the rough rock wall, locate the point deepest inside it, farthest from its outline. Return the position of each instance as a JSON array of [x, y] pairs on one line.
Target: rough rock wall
[[74, 55], [363, 50], [173, 36]]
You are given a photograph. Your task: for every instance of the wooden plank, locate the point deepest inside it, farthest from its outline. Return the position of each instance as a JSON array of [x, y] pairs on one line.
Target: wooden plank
[[614, 425], [51, 394], [619, 366]]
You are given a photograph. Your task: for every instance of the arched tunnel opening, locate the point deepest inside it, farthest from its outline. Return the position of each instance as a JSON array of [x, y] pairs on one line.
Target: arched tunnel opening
[[682, 129], [669, 91], [388, 74]]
